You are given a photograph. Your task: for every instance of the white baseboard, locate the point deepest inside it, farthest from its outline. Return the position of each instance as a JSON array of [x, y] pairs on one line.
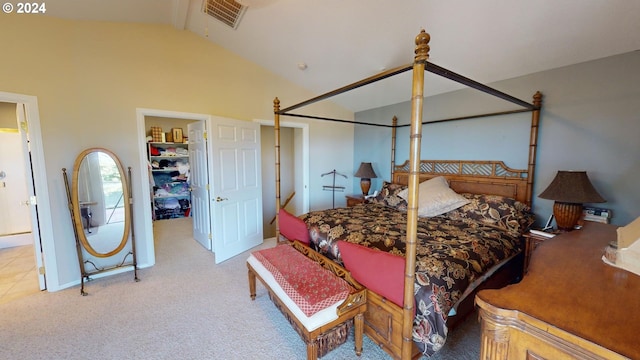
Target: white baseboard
[[13, 240]]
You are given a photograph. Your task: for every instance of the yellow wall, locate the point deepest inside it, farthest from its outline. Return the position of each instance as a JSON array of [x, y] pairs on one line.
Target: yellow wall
[[8, 116], [90, 77]]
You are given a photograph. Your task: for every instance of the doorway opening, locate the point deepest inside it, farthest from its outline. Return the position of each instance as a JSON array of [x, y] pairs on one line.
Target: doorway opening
[[294, 170], [20, 115], [170, 170], [165, 169], [18, 267], [299, 140], [15, 225]]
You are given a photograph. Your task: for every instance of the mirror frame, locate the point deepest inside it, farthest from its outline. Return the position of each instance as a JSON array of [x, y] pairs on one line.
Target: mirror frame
[[77, 220]]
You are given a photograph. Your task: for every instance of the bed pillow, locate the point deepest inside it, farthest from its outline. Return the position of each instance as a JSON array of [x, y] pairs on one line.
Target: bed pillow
[[500, 211], [435, 197], [293, 228], [388, 196], [381, 272]]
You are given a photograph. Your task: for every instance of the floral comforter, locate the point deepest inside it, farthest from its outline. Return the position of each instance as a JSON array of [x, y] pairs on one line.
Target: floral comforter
[[452, 253]]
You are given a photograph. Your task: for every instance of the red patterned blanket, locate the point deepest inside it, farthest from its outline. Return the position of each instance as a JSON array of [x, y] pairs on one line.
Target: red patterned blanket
[[308, 284]]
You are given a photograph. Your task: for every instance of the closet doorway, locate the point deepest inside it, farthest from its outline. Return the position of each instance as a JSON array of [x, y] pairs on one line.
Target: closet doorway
[[233, 158], [169, 170]]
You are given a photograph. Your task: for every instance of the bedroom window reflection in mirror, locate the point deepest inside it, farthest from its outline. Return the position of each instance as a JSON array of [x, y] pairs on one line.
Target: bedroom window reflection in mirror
[[100, 197]]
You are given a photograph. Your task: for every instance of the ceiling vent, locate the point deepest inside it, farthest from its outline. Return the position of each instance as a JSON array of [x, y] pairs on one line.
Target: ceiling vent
[[228, 11]]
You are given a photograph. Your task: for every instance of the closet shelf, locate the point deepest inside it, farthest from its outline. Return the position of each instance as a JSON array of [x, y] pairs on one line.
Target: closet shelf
[[170, 196]]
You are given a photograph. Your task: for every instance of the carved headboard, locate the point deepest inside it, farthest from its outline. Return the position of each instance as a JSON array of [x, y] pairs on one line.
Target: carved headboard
[[472, 176]]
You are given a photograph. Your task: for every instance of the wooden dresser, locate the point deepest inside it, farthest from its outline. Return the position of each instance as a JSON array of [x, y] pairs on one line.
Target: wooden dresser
[[570, 305]]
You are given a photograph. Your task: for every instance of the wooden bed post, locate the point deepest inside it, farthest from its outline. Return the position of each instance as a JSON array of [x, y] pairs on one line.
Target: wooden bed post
[[417, 99], [394, 123], [533, 144], [276, 126]]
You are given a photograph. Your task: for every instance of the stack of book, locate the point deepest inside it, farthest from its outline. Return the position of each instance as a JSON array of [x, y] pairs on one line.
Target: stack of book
[[596, 214]]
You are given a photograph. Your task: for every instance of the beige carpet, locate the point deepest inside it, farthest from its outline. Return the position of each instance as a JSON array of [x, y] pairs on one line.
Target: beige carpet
[[184, 307]]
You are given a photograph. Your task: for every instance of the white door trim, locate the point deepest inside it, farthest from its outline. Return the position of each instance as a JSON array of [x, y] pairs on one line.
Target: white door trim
[[305, 155], [42, 227]]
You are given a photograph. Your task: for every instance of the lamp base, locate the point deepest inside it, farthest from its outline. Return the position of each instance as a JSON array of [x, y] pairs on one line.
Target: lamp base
[[365, 185], [567, 215]]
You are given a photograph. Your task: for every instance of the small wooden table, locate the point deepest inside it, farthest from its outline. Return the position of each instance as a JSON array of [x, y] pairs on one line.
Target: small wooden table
[[532, 241], [353, 200], [570, 305]]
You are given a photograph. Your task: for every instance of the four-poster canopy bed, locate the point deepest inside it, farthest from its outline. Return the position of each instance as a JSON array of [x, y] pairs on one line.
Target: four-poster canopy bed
[[498, 194]]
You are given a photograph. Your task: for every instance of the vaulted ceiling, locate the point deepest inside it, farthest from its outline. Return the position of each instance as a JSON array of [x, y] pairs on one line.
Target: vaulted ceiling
[[343, 41]]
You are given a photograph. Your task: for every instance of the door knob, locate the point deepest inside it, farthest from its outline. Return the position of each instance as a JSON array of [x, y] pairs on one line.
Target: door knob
[[218, 199]]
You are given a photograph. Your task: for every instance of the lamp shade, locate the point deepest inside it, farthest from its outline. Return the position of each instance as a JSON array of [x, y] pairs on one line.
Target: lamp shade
[[572, 187], [365, 171]]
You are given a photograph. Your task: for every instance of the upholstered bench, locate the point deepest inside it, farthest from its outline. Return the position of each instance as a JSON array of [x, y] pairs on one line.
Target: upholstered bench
[[320, 299]]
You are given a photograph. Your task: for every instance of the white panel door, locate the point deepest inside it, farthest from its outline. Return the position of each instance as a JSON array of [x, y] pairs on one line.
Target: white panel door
[[237, 187], [199, 183]]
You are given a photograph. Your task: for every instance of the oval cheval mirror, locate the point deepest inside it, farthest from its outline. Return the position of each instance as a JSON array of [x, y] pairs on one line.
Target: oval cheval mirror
[[100, 208]]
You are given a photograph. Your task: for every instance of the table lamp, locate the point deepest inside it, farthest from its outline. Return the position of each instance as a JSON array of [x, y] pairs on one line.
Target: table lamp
[[570, 189], [365, 173]]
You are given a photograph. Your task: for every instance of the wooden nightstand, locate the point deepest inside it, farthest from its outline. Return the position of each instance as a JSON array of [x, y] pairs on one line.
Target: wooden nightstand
[[532, 241], [354, 200]]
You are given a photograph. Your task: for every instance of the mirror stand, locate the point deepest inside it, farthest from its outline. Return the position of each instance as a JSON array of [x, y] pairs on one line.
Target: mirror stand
[[107, 175]]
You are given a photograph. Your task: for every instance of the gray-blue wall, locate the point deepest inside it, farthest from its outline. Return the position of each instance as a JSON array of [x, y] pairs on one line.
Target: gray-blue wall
[[590, 121]]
